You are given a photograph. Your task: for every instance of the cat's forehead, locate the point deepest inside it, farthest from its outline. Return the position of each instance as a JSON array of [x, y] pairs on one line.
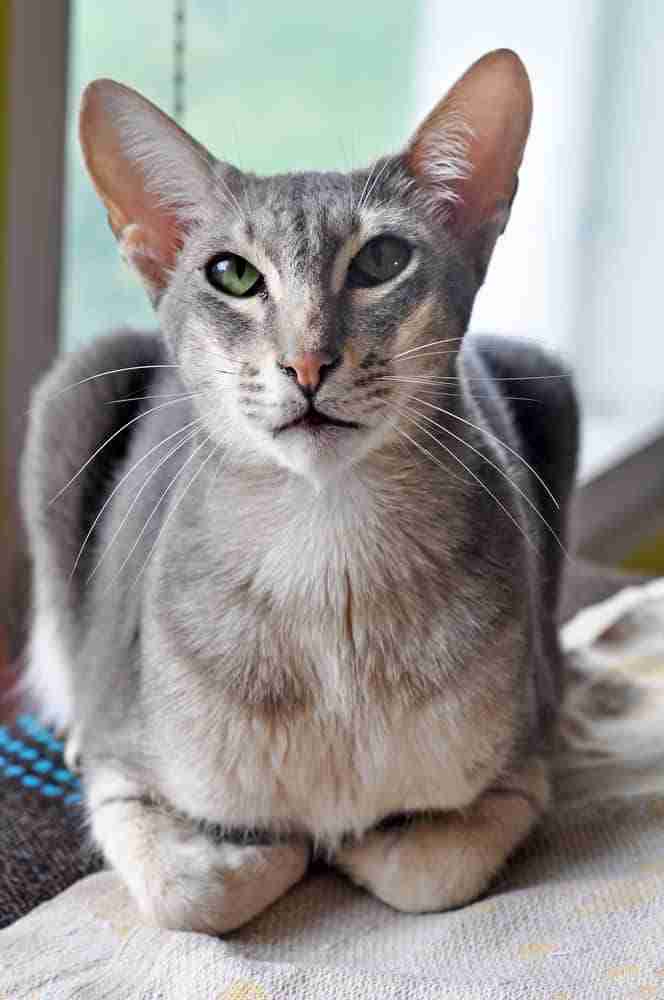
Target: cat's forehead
[[310, 214]]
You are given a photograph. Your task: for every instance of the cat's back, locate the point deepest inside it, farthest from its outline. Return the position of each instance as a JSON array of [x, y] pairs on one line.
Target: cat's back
[[80, 436]]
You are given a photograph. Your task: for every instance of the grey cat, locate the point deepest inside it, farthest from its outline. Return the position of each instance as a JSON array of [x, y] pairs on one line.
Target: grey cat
[[297, 557]]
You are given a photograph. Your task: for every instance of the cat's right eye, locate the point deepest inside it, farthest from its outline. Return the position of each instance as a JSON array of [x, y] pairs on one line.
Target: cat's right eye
[[234, 275]]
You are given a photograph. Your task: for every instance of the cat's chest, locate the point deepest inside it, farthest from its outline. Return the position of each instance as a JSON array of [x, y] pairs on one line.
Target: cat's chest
[[313, 679]]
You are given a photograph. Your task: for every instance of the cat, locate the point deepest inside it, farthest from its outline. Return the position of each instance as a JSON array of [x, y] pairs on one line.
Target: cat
[[297, 556]]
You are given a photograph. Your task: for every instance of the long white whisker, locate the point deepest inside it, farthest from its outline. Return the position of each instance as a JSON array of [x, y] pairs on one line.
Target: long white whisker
[[155, 395], [457, 395], [230, 196], [432, 343], [154, 511], [360, 200], [178, 501], [500, 472], [116, 489], [164, 395], [146, 413], [378, 176], [113, 371], [449, 451], [488, 378], [498, 440], [419, 379], [428, 354], [425, 451]]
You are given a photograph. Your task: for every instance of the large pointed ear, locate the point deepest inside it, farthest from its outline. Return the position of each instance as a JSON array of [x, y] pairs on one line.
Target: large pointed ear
[[467, 153], [150, 174]]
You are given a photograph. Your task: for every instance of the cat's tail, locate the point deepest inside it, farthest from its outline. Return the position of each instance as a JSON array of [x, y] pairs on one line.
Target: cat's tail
[[612, 720], [62, 486]]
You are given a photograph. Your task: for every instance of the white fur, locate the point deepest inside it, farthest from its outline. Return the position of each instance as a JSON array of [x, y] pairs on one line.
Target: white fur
[[446, 861], [180, 878], [47, 680]]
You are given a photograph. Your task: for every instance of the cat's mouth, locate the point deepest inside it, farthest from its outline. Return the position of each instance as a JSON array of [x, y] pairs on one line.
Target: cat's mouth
[[312, 420]]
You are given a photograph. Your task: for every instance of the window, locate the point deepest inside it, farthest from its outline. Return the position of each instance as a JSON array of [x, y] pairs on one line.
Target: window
[[304, 85]]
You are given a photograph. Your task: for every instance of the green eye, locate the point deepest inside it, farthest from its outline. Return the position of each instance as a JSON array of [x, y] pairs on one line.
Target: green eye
[[234, 275], [379, 260]]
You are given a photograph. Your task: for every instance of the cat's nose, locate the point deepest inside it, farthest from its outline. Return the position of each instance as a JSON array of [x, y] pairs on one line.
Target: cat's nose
[[309, 369]]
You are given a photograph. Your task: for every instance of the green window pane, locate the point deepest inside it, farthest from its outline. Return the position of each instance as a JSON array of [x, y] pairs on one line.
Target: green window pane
[[268, 86]]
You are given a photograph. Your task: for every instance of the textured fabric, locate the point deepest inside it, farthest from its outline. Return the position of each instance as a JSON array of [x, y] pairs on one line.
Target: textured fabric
[[42, 833], [578, 915]]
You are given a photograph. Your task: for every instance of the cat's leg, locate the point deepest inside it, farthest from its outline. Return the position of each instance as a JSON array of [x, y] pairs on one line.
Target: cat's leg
[[438, 863], [179, 877]]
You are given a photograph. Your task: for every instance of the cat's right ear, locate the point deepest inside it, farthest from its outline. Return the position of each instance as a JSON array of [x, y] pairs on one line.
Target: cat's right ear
[[150, 174]]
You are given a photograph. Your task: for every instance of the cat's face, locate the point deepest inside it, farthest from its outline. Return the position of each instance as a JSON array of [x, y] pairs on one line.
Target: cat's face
[[300, 307], [292, 303]]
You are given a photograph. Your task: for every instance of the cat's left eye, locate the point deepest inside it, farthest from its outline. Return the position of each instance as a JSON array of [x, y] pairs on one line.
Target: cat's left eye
[[379, 260], [234, 275]]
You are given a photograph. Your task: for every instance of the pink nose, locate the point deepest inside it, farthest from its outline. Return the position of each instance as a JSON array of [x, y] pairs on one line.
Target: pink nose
[[308, 368]]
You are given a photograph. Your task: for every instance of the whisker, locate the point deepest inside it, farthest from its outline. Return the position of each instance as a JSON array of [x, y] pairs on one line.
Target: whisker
[[360, 200], [116, 489], [153, 409], [489, 378], [230, 197], [432, 343], [154, 511], [490, 492], [179, 500], [419, 379], [476, 395], [377, 177], [501, 472], [168, 395], [425, 451], [499, 441], [113, 371], [427, 354], [156, 395]]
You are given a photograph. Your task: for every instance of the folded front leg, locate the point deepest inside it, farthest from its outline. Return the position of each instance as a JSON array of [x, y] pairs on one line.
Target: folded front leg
[[180, 877], [436, 863]]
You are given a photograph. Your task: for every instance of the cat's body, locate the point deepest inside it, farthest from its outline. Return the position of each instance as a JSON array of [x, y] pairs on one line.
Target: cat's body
[[312, 628]]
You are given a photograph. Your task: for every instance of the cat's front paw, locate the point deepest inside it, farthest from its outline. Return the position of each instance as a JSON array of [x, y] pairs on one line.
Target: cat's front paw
[[447, 861], [181, 879]]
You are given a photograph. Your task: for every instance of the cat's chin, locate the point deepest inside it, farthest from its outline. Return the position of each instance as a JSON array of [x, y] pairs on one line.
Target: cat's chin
[[318, 454]]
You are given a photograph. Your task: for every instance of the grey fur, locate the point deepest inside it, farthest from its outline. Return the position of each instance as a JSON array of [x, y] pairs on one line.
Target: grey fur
[[329, 591]]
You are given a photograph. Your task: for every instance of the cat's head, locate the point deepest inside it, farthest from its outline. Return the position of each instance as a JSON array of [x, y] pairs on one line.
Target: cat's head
[[306, 309]]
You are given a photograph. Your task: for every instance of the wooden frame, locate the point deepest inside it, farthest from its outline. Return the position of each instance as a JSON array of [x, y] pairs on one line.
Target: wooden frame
[[619, 508], [37, 62]]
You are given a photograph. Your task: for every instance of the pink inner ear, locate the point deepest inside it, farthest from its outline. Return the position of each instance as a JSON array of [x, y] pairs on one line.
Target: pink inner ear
[[487, 112], [150, 232]]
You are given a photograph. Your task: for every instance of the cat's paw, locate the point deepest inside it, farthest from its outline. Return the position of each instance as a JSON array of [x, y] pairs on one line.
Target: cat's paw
[[439, 863], [182, 880]]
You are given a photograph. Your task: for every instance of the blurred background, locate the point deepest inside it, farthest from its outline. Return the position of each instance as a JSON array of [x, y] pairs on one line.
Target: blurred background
[[307, 84]]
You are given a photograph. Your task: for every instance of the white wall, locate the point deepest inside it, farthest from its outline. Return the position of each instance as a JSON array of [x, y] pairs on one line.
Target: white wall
[[581, 263], [532, 279]]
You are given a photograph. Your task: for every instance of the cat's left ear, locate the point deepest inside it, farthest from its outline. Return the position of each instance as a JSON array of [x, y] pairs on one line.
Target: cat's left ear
[[467, 153], [150, 174]]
